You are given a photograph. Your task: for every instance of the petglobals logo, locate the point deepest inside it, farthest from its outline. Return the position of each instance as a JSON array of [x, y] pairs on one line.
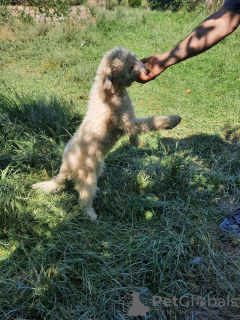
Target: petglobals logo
[[188, 301], [137, 308]]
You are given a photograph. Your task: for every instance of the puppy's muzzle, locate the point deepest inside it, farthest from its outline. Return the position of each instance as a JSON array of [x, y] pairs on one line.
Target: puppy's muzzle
[[140, 68]]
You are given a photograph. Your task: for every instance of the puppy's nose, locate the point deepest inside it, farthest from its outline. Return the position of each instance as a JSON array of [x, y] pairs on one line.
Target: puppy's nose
[[140, 67]]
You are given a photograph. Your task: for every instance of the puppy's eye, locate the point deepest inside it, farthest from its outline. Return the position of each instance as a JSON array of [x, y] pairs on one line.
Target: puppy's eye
[[131, 68]]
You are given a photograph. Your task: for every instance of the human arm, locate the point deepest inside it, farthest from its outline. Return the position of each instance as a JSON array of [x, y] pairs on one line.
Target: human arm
[[206, 35]]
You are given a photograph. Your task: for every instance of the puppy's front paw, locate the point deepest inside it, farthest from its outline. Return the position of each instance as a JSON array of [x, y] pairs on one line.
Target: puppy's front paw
[[134, 140], [173, 121], [166, 122]]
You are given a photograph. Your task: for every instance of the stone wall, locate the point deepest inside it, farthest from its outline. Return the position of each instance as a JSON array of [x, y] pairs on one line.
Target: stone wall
[[75, 13]]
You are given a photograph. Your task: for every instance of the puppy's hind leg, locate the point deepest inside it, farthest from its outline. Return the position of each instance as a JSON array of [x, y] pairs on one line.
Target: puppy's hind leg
[[100, 168], [87, 190]]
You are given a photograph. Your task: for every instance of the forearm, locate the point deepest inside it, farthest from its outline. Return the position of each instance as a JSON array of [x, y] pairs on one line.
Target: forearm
[[206, 35]]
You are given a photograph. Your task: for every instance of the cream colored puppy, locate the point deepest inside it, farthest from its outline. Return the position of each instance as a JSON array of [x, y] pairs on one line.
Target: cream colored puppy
[[110, 115]]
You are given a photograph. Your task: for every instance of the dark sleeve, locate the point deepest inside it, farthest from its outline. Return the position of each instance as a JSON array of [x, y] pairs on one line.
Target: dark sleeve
[[232, 5]]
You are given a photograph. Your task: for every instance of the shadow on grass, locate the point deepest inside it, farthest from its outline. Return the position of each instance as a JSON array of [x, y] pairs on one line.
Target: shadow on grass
[[159, 207], [204, 164], [32, 128]]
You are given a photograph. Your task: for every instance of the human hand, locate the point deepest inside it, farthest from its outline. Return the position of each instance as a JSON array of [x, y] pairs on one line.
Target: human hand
[[155, 66]]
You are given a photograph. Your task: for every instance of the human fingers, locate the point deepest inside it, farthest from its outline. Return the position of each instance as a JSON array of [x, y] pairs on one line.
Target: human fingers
[[145, 60], [144, 78]]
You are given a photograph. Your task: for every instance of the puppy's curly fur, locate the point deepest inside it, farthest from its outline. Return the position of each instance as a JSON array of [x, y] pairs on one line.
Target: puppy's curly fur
[[110, 114]]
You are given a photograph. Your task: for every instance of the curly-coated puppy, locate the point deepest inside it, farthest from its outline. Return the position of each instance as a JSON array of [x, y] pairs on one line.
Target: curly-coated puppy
[[110, 114]]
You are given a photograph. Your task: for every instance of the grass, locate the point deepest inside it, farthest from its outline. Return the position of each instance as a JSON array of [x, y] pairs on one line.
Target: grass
[[160, 205]]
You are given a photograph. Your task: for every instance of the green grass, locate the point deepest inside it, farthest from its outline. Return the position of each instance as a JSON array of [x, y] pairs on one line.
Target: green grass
[[160, 204]]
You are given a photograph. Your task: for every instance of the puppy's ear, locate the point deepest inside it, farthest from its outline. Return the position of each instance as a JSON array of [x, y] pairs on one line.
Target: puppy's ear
[[107, 85]]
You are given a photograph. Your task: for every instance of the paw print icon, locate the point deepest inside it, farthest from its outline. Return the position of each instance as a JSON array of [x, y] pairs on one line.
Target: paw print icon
[[201, 301]]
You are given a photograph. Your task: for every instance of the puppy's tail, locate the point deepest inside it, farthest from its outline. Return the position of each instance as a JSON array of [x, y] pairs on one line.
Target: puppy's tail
[[49, 186], [46, 186]]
